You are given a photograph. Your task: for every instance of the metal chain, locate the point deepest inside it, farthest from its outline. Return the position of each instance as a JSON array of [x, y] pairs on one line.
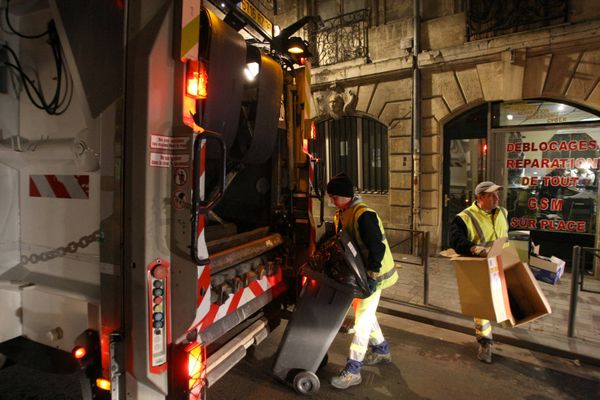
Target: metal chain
[[71, 247]]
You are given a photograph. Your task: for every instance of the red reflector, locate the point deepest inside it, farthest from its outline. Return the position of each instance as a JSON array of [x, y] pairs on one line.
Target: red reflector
[[304, 279], [196, 369], [79, 352], [197, 80], [313, 130]]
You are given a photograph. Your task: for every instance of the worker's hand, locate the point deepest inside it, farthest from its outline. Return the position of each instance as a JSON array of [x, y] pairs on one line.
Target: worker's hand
[[479, 251], [372, 285], [372, 274]]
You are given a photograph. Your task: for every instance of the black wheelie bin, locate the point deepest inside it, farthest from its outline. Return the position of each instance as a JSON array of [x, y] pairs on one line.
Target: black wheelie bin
[[335, 275]]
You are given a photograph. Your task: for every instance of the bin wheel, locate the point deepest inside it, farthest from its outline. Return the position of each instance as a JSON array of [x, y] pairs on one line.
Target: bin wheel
[[324, 361], [306, 383]]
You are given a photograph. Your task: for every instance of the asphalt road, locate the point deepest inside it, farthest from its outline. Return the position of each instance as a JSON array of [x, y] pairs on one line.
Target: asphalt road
[[428, 363]]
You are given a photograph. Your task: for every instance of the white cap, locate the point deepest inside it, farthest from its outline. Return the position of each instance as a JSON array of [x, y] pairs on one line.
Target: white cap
[[486, 187]]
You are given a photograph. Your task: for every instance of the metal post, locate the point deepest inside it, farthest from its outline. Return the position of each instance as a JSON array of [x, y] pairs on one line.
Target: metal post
[[575, 268], [425, 247]]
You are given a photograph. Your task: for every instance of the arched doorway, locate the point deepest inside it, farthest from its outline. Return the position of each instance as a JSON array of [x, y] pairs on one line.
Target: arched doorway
[[464, 162]]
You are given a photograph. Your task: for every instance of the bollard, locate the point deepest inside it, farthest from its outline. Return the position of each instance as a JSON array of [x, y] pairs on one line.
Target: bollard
[[575, 268]]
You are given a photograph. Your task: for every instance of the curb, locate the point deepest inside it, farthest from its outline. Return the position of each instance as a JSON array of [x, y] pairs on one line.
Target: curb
[[569, 348]]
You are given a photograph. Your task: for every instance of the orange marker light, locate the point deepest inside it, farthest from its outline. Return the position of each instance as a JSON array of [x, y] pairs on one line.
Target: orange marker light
[[103, 383], [197, 80], [79, 352], [313, 130]]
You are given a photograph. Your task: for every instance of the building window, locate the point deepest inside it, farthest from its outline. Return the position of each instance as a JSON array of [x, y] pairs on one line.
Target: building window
[[489, 18], [356, 145]]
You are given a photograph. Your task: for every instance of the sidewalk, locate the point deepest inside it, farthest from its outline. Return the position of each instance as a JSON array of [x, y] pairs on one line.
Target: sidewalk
[[550, 330]]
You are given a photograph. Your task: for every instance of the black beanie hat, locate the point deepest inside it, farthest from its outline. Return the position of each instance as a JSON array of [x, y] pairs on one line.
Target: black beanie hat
[[340, 185]]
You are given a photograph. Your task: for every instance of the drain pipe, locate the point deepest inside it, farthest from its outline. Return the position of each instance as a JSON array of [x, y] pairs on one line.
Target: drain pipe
[[415, 142]]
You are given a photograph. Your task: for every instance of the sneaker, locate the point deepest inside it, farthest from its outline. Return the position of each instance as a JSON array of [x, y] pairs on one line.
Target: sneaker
[[345, 379], [372, 358], [485, 353]]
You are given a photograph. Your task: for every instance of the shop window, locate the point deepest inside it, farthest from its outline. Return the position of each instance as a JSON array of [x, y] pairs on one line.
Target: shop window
[[550, 155], [356, 145], [551, 177]]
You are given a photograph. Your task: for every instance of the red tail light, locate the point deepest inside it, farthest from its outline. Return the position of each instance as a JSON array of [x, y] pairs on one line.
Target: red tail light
[[196, 370], [197, 79], [304, 279], [79, 352]]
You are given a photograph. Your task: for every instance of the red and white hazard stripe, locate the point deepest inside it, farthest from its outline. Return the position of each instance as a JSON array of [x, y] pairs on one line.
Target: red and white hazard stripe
[[202, 250], [208, 313], [60, 186]]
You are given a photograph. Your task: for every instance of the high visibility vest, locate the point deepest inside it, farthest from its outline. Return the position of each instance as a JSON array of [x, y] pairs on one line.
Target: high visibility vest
[[387, 274], [482, 227]]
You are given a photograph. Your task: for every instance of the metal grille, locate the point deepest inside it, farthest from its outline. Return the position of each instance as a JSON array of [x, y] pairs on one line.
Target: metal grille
[[343, 38], [357, 146], [374, 155], [489, 18], [342, 147]]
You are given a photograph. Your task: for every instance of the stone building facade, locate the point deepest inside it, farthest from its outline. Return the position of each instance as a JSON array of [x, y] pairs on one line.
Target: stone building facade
[[457, 72]]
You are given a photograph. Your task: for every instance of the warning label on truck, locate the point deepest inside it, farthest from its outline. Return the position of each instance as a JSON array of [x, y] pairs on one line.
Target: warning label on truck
[[169, 143], [169, 160]]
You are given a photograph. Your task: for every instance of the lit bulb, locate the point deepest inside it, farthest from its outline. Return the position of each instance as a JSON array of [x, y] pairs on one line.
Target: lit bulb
[[251, 71]]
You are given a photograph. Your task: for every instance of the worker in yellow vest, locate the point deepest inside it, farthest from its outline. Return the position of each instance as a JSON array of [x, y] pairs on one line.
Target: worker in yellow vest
[[368, 346], [471, 233]]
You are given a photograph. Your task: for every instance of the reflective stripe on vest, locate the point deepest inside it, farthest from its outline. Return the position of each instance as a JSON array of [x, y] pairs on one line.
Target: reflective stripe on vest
[[484, 228]]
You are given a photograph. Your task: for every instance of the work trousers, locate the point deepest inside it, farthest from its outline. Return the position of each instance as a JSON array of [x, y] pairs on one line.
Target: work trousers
[[366, 327]]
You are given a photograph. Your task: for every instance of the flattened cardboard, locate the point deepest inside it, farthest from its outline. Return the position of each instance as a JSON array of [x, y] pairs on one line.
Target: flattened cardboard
[[500, 287]]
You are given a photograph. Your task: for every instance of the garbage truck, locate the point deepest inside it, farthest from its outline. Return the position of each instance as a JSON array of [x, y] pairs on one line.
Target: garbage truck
[[156, 187]]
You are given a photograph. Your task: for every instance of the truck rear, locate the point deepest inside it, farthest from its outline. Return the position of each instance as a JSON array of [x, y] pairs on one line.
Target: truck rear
[[158, 206]]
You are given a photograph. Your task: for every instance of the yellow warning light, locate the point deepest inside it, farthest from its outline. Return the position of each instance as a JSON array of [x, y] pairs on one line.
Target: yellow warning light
[[103, 383]]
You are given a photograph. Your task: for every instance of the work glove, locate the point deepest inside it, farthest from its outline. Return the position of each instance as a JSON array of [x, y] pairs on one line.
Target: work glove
[[479, 251], [372, 285]]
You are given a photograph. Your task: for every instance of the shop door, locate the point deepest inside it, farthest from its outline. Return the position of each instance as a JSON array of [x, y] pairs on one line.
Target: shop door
[[465, 156]]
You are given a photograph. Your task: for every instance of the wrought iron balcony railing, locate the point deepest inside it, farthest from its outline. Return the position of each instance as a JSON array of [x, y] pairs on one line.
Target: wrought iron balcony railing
[[342, 38], [489, 18]]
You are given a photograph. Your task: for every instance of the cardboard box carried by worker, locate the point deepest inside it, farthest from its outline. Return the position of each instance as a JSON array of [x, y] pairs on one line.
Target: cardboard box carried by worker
[[499, 287], [546, 269]]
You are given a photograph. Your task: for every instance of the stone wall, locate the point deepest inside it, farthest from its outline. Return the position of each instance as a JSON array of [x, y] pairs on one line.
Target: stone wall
[[560, 63]]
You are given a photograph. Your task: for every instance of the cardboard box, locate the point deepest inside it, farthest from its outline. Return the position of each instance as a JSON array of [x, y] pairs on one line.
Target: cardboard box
[[500, 287], [546, 269]]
